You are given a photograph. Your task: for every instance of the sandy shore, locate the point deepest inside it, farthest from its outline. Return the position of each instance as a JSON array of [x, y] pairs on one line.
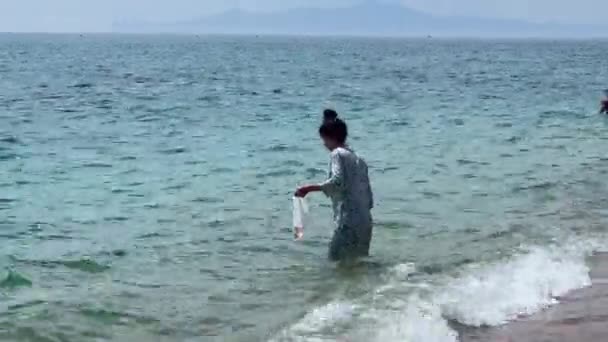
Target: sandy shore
[[581, 316]]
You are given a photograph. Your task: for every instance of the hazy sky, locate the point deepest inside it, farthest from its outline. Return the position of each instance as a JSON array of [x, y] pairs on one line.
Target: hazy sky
[[97, 15]]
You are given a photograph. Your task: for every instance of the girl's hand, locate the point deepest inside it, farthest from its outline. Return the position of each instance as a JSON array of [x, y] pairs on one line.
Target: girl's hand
[[305, 190], [302, 192]]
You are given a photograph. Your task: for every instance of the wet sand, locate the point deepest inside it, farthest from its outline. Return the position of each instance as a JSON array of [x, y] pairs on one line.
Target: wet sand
[[581, 316]]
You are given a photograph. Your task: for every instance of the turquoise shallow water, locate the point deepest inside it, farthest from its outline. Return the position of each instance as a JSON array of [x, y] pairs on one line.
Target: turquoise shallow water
[[145, 189]]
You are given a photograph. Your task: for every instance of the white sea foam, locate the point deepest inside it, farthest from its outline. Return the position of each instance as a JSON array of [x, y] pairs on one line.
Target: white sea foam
[[495, 294], [417, 321], [312, 326], [482, 295]]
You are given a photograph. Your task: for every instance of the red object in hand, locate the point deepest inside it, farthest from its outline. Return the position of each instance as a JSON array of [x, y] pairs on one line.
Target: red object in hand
[[305, 190], [302, 192]]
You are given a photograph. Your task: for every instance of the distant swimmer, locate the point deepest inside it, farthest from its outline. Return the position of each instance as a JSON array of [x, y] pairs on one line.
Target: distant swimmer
[[604, 104]]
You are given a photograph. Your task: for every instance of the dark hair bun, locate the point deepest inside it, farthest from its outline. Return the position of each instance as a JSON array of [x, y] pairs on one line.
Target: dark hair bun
[[334, 129], [330, 115]]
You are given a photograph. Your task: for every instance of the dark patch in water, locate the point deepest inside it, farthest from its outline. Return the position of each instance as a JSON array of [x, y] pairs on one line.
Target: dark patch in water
[[14, 280], [148, 118], [82, 85], [263, 117], [468, 162], [222, 170], [151, 235], [142, 79], [194, 162], [69, 110], [539, 186], [557, 113], [10, 139], [121, 191], [53, 97], [129, 171], [54, 237], [208, 200], [26, 305], [388, 169], [208, 98], [8, 156], [393, 225], [146, 97], [514, 139], [278, 173], [6, 222], [216, 224], [432, 269], [278, 91], [176, 187], [490, 97], [85, 265], [119, 253], [97, 165], [176, 150], [281, 148], [312, 172], [115, 219], [472, 230], [481, 194], [399, 123], [7, 200], [440, 268], [294, 163], [167, 109], [37, 226], [77, 117], [113, 317], [104, 104], [10, 236]]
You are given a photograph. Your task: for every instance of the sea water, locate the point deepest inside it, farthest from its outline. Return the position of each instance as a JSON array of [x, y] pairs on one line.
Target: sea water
[[146, 185]]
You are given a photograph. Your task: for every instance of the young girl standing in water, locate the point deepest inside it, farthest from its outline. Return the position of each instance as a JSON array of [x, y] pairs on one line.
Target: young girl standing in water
[[349, 188]]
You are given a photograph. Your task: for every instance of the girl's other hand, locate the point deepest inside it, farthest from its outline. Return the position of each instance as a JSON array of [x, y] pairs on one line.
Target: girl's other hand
[[305, 190], [302, 192]]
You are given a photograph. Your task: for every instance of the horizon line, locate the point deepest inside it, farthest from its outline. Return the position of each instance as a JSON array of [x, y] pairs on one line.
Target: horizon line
[[311, 35]]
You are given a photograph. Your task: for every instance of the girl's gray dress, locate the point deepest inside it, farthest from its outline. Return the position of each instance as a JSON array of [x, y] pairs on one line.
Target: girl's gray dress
[[349, 188]]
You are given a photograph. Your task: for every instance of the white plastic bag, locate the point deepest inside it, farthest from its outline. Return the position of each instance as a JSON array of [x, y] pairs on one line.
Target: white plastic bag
[[300, 210]]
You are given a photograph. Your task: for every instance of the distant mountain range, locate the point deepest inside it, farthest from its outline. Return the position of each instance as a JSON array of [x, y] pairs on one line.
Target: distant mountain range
[[368, 19]]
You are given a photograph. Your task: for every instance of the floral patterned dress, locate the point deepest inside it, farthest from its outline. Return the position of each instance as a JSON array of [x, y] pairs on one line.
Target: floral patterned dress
[[350, 191]]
